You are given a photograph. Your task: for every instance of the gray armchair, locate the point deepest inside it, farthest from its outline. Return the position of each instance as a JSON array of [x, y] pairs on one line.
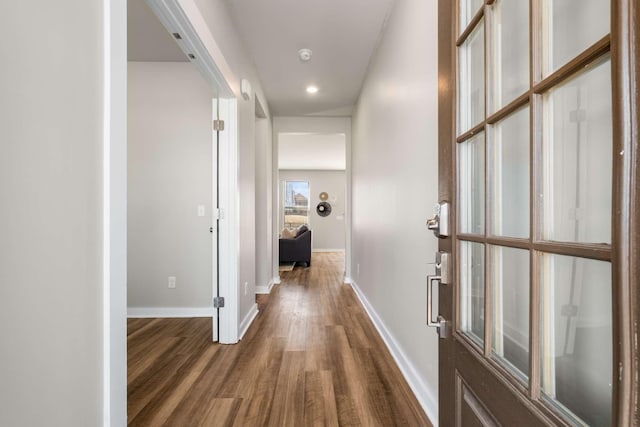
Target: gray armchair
[[296, 250]]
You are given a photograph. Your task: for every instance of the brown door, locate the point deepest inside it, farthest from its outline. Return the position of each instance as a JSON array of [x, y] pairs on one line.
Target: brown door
[[538, 154]]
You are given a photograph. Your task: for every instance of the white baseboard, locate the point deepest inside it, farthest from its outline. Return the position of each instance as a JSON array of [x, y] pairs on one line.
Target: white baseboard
[[276, 280], [327, 250], [248, 320], [148, 312], [348, 280], [427, 397], [266, 289]]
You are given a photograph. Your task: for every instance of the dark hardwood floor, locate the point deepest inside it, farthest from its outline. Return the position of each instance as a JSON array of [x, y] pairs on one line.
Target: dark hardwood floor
[[311, 358]]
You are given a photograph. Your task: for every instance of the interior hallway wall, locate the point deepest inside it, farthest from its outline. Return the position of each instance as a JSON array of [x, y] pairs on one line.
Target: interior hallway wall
[[395, 186], [51, 194], [221, 25], [264, 197], [170, 145]]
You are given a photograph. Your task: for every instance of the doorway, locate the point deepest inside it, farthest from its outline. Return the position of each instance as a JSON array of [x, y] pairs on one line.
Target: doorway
[[172, 176], [313, 195], [315, 127]]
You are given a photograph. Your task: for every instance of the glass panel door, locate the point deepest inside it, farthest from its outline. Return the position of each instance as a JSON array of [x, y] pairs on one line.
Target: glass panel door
[[534, 179]]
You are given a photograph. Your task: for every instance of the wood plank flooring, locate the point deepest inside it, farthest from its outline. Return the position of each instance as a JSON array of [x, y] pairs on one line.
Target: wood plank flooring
[[311, 358]]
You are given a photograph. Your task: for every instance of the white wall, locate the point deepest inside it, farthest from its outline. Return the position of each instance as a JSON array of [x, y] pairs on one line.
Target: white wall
[[312, 151], [329, 231], [170, 145], [395, 186], [51, 194], [222, 27], [264, 197]]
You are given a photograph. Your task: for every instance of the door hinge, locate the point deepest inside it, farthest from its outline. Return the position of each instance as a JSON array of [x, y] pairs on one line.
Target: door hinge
[[218, 125], [216, 213], [218, 302]]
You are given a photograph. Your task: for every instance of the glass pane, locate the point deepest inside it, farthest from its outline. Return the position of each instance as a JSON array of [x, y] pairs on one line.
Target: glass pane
[[471, 185], [577, 340], [511, 307], [472, 289], [510, 51], [578, 158], [471, 80], [468, 9], [296, 203], [570, 27], [510, 154]]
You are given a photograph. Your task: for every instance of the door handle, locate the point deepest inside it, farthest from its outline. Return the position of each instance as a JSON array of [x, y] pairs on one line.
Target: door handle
[[442, 277], [430, 279]]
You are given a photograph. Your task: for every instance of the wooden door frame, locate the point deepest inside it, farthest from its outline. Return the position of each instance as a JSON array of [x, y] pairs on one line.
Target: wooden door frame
[[625, 34], [625, 256], [446, 192]]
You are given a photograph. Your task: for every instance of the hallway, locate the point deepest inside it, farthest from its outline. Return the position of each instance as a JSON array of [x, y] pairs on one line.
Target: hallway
[[312, 357]]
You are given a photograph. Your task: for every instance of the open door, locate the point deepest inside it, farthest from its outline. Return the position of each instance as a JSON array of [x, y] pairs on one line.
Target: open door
[[215, 219], [538, 225]]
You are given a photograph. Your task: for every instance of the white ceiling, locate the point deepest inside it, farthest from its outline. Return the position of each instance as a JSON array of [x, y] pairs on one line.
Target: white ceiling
[[311, 151], [342, 35], [147, 39]]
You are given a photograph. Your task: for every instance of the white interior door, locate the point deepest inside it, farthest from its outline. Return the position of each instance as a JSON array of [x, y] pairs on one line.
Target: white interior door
[[215, 219]]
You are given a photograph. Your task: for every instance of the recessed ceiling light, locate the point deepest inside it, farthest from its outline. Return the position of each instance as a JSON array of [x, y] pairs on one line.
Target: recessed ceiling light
[[312, 89]]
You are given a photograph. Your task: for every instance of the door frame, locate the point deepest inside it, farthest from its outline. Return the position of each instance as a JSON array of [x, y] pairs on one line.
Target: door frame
[[625, 256], [320, 125], [625, 38], [181, 16]]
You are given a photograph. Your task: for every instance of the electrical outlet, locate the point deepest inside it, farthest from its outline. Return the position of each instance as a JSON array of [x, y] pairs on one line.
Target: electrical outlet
[[172, 282], [246, 288]]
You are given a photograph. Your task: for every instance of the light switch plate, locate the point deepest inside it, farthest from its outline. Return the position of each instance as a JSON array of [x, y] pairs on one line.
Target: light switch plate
[[201, 210]]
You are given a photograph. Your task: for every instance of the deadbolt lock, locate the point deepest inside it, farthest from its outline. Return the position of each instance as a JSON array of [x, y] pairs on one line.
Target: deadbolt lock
[[439, 222]]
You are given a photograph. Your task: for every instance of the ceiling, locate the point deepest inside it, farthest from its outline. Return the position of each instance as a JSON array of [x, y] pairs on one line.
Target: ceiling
[[311, 151], [147, 39], [342, 34]]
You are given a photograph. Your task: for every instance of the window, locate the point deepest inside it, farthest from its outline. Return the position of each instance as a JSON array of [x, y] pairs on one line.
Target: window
[[296, 203]]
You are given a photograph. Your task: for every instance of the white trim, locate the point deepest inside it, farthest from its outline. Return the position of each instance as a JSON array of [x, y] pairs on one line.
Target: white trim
[[114, 214], [214, 221], [427, 397], [265, 290], [276, 280], [106, 218], [327, 250], [229, 223], [248, 320], [169, 312], [184, 17]]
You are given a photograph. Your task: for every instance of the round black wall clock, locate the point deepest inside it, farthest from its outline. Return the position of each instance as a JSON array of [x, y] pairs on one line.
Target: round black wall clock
[[323, 209]]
